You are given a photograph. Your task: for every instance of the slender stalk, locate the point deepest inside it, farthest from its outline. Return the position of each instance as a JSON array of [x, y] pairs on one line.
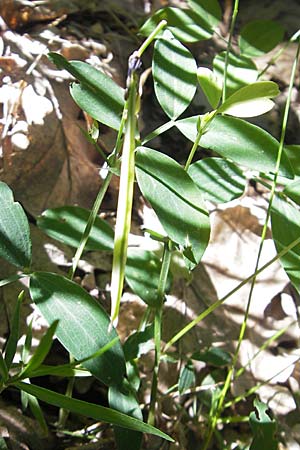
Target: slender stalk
[[90, 223], [125, 199], [166, 260], [232, 25], [263, 237], [193, 149]]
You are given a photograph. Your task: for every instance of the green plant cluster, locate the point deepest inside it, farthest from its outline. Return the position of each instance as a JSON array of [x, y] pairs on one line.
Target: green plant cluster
[[235, 91]]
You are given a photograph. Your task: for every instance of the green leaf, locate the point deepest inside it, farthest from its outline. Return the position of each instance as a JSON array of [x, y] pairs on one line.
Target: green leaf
[[184, 24], [187, 377], [285, 220], [175, 199], [208, 10], [174, 72], [252, 100], [240, 141], [220, 181], [142, 274], [37, 413], [210, 85], [67, 224], [41, 352], [293, 153], [292, 190], [259, 37], [83, 324], [15, 243], [96, 93], [12, 342], [214, 356], [90, 410], [263, 428], [124, 400], [139, 343], [240, 71], [3, 368]]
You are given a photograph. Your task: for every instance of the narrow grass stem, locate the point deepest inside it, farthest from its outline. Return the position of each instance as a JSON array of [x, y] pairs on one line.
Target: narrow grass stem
[[165, 266], [90, 223], [243, 328]]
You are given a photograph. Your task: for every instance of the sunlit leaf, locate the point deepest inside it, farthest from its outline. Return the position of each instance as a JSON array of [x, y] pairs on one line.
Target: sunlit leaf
[[285, 219], [175, 199], [185, 24], [96, 93], [210, 85], [67, 224], [263, 428], [220, 181], [83, 324], [252, 100], [240, 141], [174, 72], [90, 410], [240, 71], [142, 274], [259, 37], [15, 243]]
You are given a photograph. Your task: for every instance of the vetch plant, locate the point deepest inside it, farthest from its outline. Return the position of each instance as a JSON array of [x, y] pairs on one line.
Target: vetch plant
[[235, 90]]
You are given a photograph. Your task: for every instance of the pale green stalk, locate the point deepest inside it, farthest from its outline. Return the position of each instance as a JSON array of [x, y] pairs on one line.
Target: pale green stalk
[[263, 236], [125, 199]]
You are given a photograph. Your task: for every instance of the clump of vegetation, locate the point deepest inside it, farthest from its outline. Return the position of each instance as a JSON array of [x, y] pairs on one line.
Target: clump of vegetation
[[235, 90]]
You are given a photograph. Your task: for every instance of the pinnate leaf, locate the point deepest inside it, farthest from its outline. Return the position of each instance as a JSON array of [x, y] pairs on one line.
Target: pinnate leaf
[[259, 37], [67, 225], [174, 72], [240, 141], [210, 85], [185, 24], [252, 100], [96, 93], [176, 200], [220, 181]]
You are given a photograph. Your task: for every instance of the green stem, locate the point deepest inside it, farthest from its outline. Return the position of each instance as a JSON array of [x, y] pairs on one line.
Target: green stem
[[90, 223], [230, 374], [232, 25], [151, 37], [193, 149], [125, 199], [166, 260]]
